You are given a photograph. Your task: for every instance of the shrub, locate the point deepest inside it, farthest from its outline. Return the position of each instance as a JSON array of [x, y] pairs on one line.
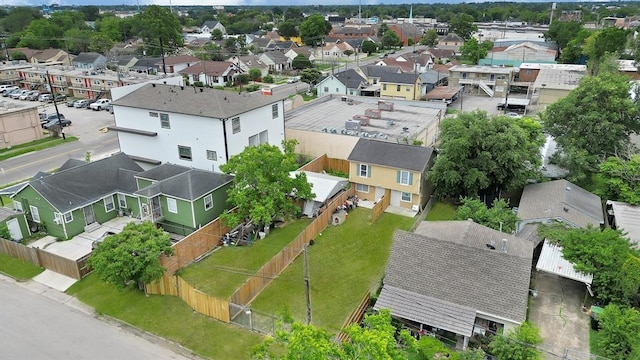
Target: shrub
[[268, 79]]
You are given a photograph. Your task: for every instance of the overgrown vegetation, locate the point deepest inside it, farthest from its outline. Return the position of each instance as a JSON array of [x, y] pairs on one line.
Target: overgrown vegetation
[[498, 217]]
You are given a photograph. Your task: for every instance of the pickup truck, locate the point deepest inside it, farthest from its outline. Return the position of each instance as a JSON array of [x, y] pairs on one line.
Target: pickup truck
[[100, 104]]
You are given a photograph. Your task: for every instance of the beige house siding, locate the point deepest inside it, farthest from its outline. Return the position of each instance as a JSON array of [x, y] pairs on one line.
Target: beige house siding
[[19, 127], [386, 178], [550, 96], [314, 144]]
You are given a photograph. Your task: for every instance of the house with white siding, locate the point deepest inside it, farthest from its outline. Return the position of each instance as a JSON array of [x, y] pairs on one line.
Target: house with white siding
[[195, 127]]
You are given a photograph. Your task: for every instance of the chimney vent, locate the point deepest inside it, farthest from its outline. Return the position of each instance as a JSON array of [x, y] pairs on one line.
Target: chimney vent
[[504, 245]]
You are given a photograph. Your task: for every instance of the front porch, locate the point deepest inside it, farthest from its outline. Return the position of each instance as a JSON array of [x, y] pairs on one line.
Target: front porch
[[398, 210]]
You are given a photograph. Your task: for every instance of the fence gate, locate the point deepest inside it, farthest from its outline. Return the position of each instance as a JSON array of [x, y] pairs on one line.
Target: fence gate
[[252, 320]]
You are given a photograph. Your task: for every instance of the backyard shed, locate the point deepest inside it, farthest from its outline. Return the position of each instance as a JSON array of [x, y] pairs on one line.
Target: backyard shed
[[16, 223], [324, 187]]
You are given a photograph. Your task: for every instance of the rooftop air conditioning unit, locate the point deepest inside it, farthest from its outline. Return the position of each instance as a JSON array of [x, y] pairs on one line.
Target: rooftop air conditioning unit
[[352, 124]]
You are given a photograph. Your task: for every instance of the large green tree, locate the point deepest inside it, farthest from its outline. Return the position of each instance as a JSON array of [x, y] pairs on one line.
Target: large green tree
[[131, 256], [390, 39], [518, 344], [480, 154], [100, 43], [313, 29], [41, 34], [110, 26], [573, 52], [498, 216], [561, 32], [262, 189], [620, 332], [473, 51], [288, 29], [310, 76], [369, 47], [621, 178], [592, 123], [77, 40], [156, 22], [598, 44], [430, 38], [19, 18], [462, 24], [301, 62]]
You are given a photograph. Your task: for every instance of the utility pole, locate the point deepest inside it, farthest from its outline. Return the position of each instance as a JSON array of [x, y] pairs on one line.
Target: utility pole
[[506, 95], [164, 67], [55, 105], [4, 43], [306, 284]]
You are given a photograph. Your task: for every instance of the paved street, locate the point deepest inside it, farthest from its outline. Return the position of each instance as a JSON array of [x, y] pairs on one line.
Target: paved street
[[35, 327]]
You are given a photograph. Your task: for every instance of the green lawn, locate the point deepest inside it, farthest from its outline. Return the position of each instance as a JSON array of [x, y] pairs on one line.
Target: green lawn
[[594, 338], [223, 272], [441, 211], [169, 317], [33, 146], [345, 262], [18, 269]]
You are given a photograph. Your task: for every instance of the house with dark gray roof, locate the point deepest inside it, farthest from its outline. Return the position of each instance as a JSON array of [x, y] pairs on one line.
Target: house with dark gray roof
[[89, 61], [82, 195], [347, 82], [400, 86], [399, 171], [195, 127], [210, 25], [459, 277], [276, 61]]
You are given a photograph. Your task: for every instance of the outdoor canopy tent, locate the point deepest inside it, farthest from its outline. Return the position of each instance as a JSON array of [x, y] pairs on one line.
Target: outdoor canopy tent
[[324, 187]]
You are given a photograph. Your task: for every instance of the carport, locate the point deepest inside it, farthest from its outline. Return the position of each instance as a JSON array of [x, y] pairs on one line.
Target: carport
[[552, 261]]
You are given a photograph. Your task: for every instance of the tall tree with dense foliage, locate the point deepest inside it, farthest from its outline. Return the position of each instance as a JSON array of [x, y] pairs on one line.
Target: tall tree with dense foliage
[[19, 18], [561, 32], [156, 22], [131, 256], [473, 51], [262, 189], [369, 47], [41, 34], [483, 154], [598, 44], [288, 29], [620, 332], [621, 179], [310, 76], [592, 123], [301, 62], [462, 24], [602, 253], [498, 216], [111, 27], [518, 344], [390, 39], [430, 38], [313, 29]]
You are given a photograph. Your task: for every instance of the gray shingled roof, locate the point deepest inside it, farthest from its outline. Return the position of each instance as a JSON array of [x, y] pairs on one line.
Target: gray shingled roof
[[85, 184], [427, 310], [350, 78], [405, 78], [189, 185], [470, 233], [163, 172], [399, 156], [560, 199], [488, 281], [86, 58], [71, 163], [378, 70], [212, 103], [432, 77]]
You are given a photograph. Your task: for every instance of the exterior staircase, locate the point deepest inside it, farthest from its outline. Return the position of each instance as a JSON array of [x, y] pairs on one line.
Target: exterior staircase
[[485, 88]]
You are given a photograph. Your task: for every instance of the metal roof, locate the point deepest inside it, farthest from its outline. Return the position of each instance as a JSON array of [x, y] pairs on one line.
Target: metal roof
[[552, 261], [628, 219]]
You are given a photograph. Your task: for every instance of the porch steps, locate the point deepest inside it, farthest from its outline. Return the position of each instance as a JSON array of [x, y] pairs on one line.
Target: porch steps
[[91, 227], [485, 88]]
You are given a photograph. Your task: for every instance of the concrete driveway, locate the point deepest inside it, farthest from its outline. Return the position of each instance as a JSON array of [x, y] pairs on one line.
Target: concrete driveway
[[557, 312]]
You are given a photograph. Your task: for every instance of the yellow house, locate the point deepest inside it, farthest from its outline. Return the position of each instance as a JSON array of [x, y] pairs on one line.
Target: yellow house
[[404, 86], [295, 39], [376, 167]]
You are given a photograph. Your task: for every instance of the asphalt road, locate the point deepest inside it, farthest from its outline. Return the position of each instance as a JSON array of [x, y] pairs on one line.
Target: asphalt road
[[86, 125], [35, 327]]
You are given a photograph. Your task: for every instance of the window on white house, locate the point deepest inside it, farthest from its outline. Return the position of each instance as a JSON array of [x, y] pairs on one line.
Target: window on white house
[[363, 170], [153, 114], [68, 217], [184, 153], [406, 197], [17, 205], [326, 89], [122, 201], [164, 121], [208, 202], [274, 111], [35, 215], [235, 125], [172, 205], [108, 204], [362, 188], [257, 139], [212, 155]]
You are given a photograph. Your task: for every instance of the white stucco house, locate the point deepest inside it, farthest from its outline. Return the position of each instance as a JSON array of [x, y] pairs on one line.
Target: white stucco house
[[348, 82], [195, 127]]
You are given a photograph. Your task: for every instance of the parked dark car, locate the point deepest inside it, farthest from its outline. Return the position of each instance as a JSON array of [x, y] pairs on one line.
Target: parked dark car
[[59, 97], [70, 103], [8, 93], [56, 121], [46, 118]]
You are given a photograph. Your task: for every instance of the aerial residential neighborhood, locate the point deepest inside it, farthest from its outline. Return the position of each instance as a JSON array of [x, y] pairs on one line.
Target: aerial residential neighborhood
[[296, 181]]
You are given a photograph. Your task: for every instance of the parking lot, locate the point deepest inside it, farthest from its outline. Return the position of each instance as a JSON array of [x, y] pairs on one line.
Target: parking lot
[[470, 102]]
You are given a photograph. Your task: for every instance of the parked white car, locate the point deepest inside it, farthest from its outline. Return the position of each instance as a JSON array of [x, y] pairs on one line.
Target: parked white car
[[100, 104]]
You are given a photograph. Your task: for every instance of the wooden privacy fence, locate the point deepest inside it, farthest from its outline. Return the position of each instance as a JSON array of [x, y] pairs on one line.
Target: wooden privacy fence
[[355, 318], [381, 205], [76, 269], [203, 303], [252, 287], [324, 163]]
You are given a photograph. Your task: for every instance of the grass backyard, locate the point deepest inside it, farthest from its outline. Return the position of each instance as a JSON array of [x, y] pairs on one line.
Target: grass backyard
[[594, 339], [441, 211], [169, 317], [17, 268], [344, 263], [226, 270]]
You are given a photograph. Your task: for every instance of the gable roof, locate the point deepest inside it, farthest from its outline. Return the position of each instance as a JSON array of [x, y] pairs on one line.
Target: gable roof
[[377, 70], [85, 184], [432, 76], [627, 218], [179, 59], [125, 59], [406, 66], [560, 199], [162, 172], [87, 58], [212, 68], [47, 54], [210, 24], [260, 42], [399, 156], [350, 78], [277, 57], [71, 163], [405, 78], [189, 184], [451, 37], [460, 274], [203, 102], [440, 53], [145, 64]]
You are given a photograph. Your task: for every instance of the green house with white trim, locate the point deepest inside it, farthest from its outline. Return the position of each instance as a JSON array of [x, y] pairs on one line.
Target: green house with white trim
[[80, 196]]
